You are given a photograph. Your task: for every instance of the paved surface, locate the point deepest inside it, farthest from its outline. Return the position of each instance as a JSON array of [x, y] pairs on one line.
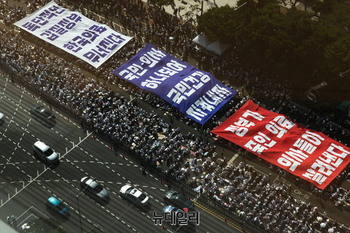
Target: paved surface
[[323, 205], [26, 182]]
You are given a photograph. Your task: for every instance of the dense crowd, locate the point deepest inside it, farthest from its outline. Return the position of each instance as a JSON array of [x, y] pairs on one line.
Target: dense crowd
[[184, 157], [10, 15], [259, 200]]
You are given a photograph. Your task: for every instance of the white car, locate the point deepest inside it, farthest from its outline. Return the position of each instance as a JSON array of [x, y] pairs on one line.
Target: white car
[[45, 152], [1, 118], [88, 184], [134, 195]]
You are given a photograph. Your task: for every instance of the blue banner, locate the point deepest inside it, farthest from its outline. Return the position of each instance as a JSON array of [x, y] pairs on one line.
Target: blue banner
[[195, 93]]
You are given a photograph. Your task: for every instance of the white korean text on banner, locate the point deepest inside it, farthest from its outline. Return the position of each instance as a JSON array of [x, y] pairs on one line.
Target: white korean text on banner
[[303, 152], [71, 31], [195, 93]]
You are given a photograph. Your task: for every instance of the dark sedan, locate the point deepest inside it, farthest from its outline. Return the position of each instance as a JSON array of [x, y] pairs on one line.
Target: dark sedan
[[171, 197], [43, 115]]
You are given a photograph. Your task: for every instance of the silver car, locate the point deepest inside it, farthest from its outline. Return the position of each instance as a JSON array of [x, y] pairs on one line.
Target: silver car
[[45, 152], [89, 185]]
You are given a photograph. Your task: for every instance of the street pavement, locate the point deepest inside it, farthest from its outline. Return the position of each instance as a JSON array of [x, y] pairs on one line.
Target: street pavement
[[230, 155], [26, 182]]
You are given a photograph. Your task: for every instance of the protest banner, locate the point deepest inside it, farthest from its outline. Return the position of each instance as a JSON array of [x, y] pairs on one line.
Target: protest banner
[[76, 34], [306, 153]]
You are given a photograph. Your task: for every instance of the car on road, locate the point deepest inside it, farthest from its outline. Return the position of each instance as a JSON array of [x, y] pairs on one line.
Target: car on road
[[134, 195], [57, 206], [89, 185], [180, 215], [43, 114], [45, 152], [176, 199], [2, 118]]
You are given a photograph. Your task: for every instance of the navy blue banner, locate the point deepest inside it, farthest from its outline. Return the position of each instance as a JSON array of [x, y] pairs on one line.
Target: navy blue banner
[[195, 93]]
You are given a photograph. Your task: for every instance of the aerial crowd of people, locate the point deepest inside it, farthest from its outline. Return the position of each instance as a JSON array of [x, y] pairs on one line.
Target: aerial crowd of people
[[182, 156]]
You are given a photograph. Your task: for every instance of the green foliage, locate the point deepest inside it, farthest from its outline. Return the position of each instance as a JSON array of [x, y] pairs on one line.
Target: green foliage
[[294, 44], [162, 2], [337, 55], [218, 23], [307, 3]]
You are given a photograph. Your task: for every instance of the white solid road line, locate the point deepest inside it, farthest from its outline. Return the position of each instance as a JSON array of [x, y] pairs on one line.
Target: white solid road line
[[39, 174]]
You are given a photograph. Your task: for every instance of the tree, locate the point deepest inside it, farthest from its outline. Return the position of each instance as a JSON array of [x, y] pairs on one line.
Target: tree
[[331, 36], [337, 55], [218, 23], [304, 47], [307, 3]]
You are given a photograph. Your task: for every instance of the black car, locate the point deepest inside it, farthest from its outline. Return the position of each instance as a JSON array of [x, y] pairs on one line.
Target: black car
[[42, 114], [171, 197]]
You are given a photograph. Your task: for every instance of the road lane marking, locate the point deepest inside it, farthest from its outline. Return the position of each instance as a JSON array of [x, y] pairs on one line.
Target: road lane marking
[[40, 174], [218, 216]]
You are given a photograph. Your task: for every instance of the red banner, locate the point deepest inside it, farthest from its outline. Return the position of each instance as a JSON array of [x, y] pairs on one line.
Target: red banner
[[303, 152]]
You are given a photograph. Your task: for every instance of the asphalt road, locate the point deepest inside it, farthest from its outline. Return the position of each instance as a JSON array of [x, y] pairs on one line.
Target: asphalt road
[[27, 182]]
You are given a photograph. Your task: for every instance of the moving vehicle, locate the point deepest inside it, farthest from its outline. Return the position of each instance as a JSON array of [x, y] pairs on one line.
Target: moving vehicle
[[2, 118], [45, 152], [43, 115], [134, 195], [179, 215], [57, 206], [171, 197], [89, 185]]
